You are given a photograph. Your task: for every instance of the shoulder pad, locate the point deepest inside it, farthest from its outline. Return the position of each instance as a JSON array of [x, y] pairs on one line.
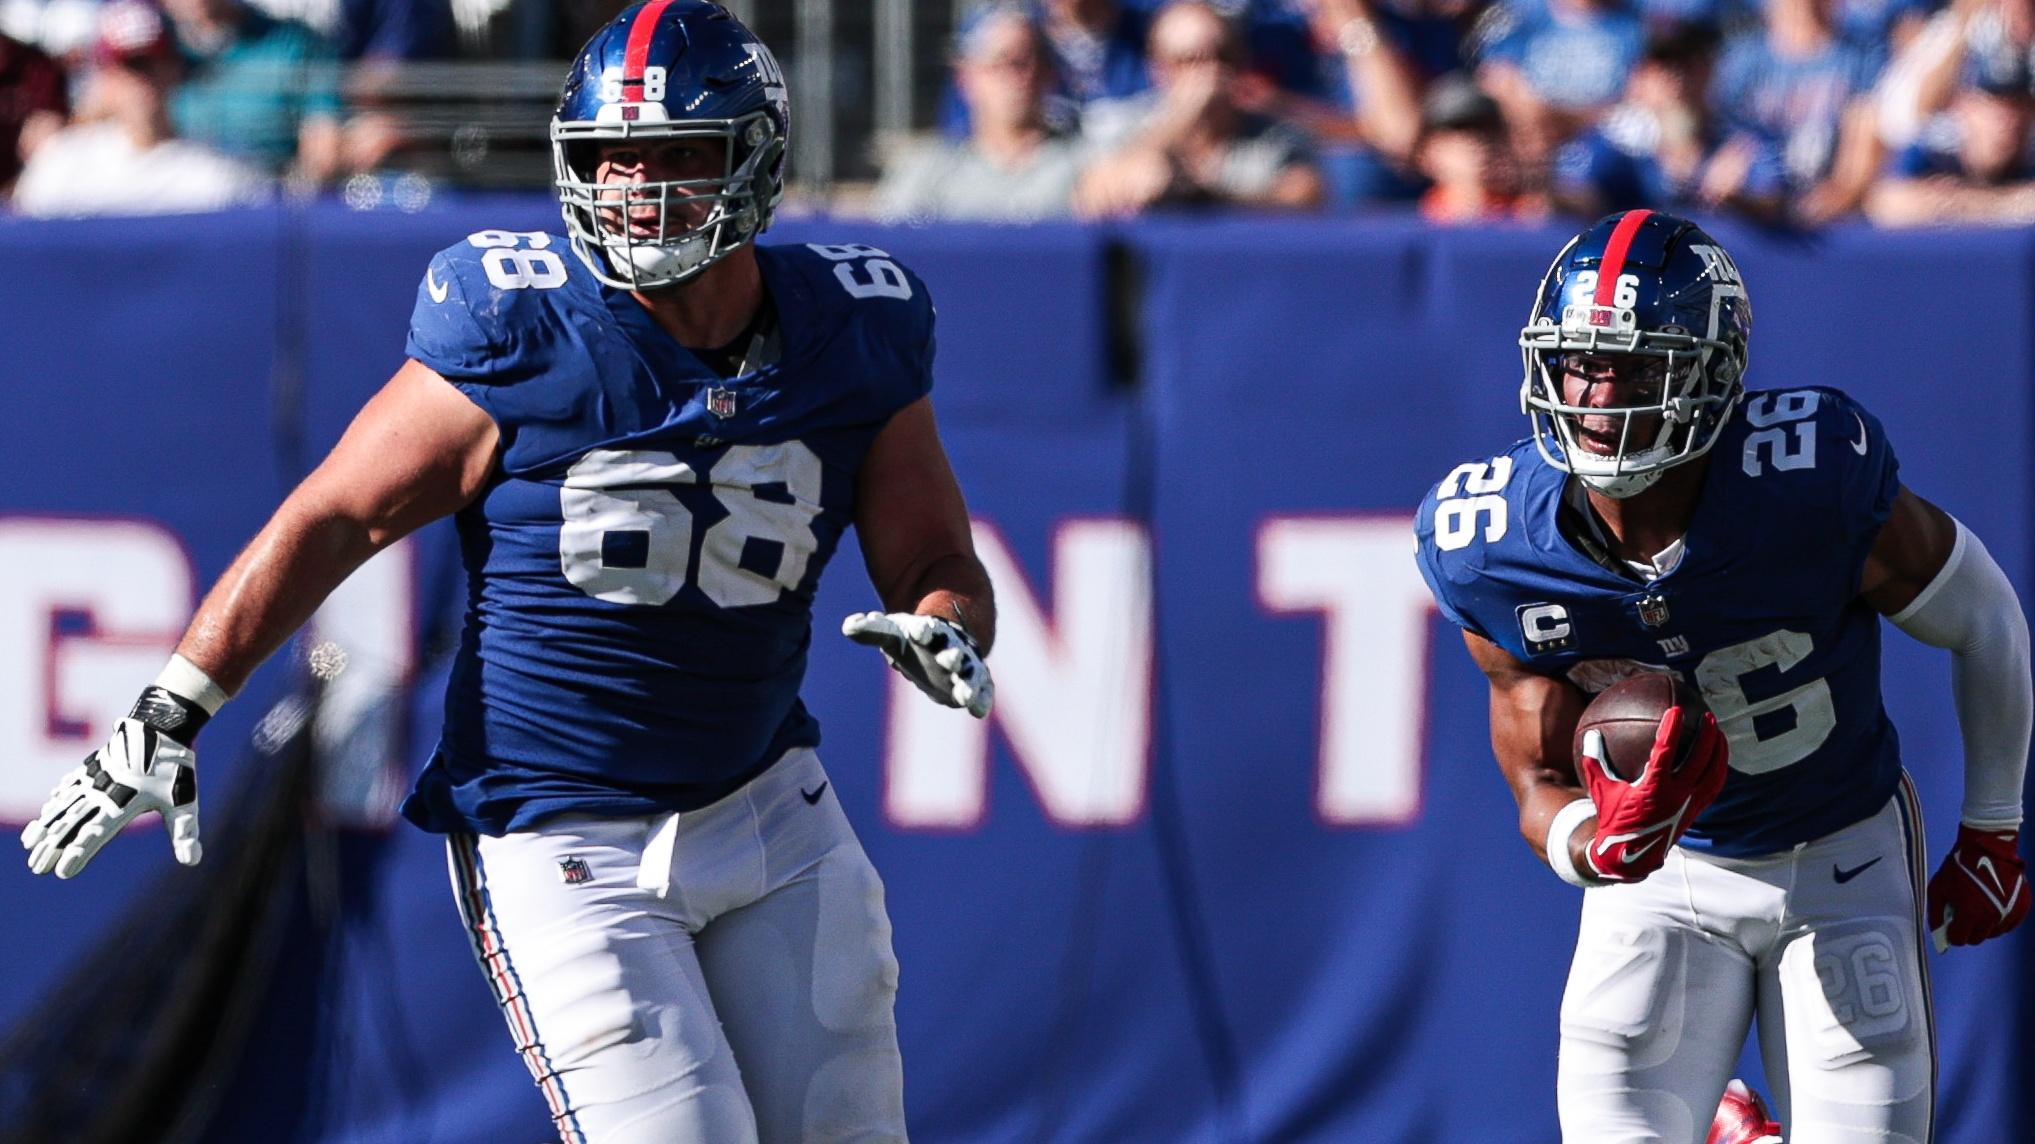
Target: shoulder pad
[[851, 284], [476, 294], [1828, 457], [859, 277], [1462, 522]]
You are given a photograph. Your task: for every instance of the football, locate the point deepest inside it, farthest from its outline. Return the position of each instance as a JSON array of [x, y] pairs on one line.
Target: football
[[1628, 713]]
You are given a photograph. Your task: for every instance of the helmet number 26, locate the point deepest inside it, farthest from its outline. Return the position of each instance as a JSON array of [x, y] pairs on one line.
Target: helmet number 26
[[1624, 292]]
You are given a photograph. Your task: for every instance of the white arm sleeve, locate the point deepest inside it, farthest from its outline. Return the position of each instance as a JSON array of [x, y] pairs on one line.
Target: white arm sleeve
[[1970, 608]]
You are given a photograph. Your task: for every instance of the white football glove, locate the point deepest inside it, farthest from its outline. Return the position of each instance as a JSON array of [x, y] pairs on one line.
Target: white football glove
[[937, 656], [138, 770]]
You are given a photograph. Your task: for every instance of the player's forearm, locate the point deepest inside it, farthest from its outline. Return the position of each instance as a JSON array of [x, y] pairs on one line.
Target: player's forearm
[[954, 587], [1543, 797], [271, 589]]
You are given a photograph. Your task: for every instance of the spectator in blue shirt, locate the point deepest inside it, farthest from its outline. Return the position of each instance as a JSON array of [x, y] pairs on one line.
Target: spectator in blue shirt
[[1978, 169], [394, 29], [1555, 65], [1365, 109], [1096, 49], [1880, 27], [1661, 147], [1797, 94]]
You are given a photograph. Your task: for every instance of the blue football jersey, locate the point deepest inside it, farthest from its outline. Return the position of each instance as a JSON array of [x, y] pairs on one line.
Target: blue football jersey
[[641, 567], [1762, 613]]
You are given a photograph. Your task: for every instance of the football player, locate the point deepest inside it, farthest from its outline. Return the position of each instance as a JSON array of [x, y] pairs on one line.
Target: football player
[[651, 432], [1662, 518]]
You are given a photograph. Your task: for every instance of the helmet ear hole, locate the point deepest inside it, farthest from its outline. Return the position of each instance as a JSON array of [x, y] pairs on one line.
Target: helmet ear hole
[[764, 180]]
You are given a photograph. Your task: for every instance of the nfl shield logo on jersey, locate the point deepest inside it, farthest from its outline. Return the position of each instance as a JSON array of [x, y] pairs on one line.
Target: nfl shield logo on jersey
[[1653, 610], [721, 402], [573, 871]]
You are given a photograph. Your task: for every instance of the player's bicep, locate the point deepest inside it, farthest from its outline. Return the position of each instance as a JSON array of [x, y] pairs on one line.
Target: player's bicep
[[909, 512], [1909, 551], [418, 450], [1533, 717]]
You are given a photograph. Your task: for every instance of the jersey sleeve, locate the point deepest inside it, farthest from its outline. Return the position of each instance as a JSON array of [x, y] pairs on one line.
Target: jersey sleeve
[[1868, 476], [1436, 570], [910, 323], [445, 333], [880, 310], [494, 344]]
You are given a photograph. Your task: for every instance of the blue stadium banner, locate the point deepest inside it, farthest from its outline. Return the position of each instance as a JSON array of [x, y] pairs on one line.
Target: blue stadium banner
[[1230, 862]]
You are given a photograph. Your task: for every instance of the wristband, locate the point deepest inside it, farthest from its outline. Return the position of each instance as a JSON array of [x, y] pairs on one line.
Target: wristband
[[180, 701], [183, 678], [1559, 830]]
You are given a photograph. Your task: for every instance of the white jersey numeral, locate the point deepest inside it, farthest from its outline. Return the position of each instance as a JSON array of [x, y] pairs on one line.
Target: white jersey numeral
[[513, 265], [885, 278], [1782, 427], [1469, 495], [772, 494], [627, 537], [1721, 676]]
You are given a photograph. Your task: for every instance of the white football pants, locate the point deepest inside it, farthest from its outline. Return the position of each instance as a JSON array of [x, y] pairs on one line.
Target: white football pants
[[1823, 942], [716, 977]]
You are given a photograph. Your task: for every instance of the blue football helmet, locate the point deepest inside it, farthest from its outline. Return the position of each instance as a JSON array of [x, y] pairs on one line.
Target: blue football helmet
[[663, 70], [1647, 297]]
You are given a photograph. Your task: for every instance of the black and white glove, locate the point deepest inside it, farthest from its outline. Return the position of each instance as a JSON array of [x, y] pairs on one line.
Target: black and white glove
[[938, 656], [148, 764]]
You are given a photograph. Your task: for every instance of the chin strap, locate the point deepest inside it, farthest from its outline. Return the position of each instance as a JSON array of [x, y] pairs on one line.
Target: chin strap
[[1623, 485]]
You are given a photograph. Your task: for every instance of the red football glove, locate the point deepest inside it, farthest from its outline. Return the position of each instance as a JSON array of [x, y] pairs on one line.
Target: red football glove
[[1638, 821], [1980, 891], [1742, 1118]]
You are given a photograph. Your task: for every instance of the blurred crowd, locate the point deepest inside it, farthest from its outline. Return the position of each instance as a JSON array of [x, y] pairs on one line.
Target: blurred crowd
[[128, 107], [1789, 111], [1905, 112]]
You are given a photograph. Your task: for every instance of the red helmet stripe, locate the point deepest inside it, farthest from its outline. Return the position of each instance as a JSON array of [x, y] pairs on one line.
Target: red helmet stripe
[[637, 55], [1614, 253]]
